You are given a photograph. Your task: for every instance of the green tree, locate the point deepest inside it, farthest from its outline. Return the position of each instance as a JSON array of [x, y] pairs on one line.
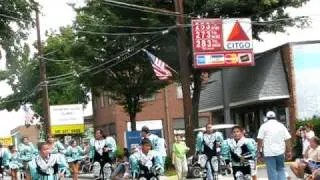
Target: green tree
[[15, 21], [127, 79], [62, 89], [270, 13]]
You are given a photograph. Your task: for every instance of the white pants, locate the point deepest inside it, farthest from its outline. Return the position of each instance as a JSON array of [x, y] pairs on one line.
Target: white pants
[[181, 167]]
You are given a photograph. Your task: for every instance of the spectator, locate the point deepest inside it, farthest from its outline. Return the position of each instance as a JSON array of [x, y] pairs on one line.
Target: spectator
[[274, 137], [302, 166], [306, 133], [179, 158]]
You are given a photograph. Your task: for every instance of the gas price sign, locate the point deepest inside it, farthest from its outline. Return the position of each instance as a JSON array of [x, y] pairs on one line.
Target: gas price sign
[[207, 35]]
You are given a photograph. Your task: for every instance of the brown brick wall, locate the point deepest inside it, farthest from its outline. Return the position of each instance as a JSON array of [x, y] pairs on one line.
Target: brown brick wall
[[32, 132]]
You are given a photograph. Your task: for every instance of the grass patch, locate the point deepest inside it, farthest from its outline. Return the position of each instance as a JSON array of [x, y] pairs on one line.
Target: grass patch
[[170, 172]]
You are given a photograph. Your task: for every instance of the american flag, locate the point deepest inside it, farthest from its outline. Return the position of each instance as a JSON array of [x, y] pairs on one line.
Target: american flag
[[160, 68], [29, 115]]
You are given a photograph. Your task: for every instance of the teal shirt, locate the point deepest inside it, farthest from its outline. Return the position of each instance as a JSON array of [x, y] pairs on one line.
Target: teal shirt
[[5, 156], [230, 145], [97, 144], [151, 159], [14, 161], [154, 142], [56, 158], [58, 147], [27, 152], [200, 140], [74, 154]]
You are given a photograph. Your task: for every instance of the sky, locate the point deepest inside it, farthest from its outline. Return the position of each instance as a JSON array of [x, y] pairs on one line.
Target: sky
[[307, 70], [57, 13]]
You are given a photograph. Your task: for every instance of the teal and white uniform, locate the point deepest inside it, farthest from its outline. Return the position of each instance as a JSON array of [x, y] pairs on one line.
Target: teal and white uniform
[[46, 168], [27, 152], [59, 150], [98, 145], [151, 160], [102, 160], [199, 142], [74, 154], [239, 153], [4, 157], [14, 161], [154, 141]]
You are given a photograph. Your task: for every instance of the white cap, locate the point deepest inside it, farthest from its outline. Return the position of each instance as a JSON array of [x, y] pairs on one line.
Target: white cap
[[271, 115]]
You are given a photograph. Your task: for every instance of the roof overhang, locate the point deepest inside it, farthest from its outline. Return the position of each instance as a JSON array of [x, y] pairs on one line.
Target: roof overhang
[[247, 102]]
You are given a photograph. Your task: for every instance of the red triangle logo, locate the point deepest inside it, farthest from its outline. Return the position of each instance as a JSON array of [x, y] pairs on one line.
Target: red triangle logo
[[237, 33]]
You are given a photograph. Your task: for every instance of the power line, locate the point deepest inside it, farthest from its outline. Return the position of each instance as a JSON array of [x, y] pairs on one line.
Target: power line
[[143, 8], [122, 53], [56, 60], [109, 66], [33, 91], [119, 34], [15, 18], [124, 26]]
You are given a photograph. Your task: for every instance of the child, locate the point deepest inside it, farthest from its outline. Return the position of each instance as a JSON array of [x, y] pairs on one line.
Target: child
[[14, 162], [74, 155], [239, 150]]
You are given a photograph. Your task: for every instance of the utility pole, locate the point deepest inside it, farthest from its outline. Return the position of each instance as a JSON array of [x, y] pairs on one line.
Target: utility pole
[[226, 99], [43, 78], [184, 75]]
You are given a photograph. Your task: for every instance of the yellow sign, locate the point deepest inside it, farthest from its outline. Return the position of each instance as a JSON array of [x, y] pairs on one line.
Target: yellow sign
[[67, 129], [6, 141]]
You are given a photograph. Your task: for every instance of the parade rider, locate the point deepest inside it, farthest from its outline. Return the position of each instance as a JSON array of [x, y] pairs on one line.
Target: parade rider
[[239, 150], [102, 151], [145, 159], [210, 146]]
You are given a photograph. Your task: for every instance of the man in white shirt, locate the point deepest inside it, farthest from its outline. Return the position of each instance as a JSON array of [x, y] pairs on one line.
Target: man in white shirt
[[274, 137]]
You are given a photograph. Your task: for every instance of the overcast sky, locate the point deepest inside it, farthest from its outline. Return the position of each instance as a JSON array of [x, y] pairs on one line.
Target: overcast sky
[[57, 13]]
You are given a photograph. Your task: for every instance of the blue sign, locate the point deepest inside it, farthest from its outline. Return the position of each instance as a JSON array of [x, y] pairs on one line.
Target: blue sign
[[134, 137], [201, 59]]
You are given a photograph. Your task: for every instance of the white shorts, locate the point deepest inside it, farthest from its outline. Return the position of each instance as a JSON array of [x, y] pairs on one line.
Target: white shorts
[[253, 167]]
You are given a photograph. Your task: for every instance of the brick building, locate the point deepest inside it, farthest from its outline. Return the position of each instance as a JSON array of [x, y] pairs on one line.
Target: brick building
[[19, 132], [163, 111]]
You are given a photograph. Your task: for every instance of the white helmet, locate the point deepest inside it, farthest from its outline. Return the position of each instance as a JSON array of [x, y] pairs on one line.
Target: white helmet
[[271, 115]]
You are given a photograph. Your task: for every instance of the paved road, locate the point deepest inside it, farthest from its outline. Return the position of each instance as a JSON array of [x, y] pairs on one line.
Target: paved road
[[262, 175]]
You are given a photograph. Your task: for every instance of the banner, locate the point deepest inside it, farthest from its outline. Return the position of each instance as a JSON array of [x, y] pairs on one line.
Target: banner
[[67, 119]]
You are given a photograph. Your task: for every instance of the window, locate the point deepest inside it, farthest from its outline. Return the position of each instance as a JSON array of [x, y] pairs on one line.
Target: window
[[105, 97], [101, 100], [203, 121], [178, 126], [150, 98], [112, 129], [179, 91]]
